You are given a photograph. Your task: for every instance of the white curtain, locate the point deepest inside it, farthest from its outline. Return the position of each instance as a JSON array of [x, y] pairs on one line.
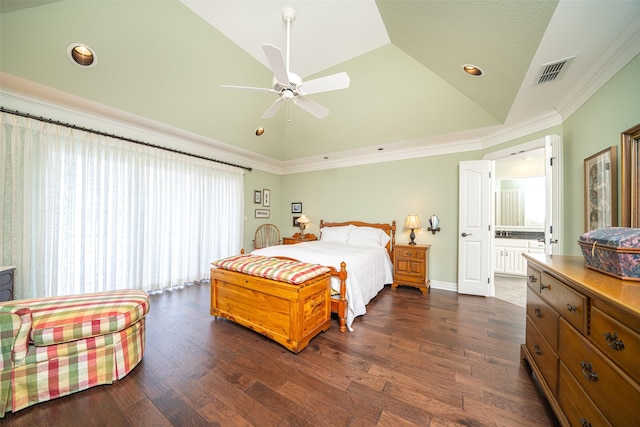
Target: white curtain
[[87, 213]]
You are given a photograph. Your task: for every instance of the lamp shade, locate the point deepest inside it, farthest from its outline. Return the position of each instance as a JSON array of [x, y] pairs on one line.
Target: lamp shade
[[412, 222], [303, 219]]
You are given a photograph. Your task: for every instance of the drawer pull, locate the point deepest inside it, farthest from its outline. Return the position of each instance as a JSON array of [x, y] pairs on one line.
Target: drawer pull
[[409, 254], [536, 348], [571, 308], [613, 341], [588, 372], [539, 313], [533, 279], [584, 422], [543, 287]]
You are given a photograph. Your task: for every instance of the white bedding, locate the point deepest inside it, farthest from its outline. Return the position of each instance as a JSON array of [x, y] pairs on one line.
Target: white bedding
[[368, 268]]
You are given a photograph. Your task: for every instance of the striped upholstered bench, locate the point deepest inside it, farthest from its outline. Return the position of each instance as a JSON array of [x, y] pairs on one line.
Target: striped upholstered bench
[[52, 347]]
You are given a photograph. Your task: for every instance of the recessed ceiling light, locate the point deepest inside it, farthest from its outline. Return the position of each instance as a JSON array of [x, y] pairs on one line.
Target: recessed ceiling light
[[260, 131], [472, 70], [82, 55]]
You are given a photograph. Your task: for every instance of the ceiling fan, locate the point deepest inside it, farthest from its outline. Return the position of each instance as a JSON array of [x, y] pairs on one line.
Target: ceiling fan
[[289, 86]]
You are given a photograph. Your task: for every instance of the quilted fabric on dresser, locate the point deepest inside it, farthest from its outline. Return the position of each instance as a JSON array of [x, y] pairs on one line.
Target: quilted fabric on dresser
[[84, 316]]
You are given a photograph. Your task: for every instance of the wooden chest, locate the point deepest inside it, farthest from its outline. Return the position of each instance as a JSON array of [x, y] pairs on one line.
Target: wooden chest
[[286, 313]]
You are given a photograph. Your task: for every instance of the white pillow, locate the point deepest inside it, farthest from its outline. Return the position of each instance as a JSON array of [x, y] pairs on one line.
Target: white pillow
[[368, 236], [335, 234]]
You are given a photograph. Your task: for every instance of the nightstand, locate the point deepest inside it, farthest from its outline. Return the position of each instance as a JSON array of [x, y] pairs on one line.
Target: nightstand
[[298, 238], [411, 266]]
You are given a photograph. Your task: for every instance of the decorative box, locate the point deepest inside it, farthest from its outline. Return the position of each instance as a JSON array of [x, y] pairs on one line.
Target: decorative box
[[613, 250]]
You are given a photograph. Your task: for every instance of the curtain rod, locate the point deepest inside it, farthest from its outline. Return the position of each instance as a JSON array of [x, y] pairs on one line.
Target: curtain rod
[[122, 138]]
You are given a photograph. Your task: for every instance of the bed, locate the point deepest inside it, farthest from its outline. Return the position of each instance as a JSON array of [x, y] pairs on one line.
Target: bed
[[366, 250]]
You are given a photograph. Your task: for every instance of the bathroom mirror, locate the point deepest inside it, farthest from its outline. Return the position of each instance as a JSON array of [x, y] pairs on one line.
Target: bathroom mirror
[[520, 203]]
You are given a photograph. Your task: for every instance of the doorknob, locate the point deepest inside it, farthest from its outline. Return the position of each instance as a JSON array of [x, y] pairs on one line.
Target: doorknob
[[465, 234]]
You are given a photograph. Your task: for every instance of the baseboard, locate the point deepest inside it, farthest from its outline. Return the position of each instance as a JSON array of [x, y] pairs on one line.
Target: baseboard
[[445, 286]]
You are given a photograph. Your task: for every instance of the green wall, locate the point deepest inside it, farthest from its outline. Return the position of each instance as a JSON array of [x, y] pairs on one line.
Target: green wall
[[429, 185], [385, 192], [259, 180], [595, 126]]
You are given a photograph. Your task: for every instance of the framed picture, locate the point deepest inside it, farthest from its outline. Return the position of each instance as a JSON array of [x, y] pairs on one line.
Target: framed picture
[[295, 224], [296, 207], [601, 190], [262, 213], [266, 197], [257, 196]]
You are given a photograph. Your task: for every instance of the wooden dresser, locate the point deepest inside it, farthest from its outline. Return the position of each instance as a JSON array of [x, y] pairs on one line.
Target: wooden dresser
[[583, 341]]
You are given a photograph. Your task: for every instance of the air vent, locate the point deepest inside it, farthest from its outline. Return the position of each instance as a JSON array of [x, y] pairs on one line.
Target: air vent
[[553, 70]]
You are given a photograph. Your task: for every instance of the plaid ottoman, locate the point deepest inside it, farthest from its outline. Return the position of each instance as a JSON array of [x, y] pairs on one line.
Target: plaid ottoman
[[52, 347]]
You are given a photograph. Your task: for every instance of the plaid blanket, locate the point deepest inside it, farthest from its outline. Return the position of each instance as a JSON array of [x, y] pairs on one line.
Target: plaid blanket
[[282, 270]]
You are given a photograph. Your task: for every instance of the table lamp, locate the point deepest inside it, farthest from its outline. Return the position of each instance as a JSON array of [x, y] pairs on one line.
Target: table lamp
[[412, 222]]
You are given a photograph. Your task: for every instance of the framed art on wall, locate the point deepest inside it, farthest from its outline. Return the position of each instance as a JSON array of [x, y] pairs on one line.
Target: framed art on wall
[[296, 207], [601, 190], [262, 213], [257, 196], [266, 197]]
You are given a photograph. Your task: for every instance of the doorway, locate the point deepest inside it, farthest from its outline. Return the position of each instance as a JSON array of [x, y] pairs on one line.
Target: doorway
[[519, 220], [531, 171]]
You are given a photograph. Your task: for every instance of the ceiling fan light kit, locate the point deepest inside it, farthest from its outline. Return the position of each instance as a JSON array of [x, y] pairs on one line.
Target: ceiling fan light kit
[[289, 86]]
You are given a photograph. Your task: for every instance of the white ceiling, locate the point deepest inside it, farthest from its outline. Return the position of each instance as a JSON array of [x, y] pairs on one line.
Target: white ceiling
[[164, 62], [322, 35]]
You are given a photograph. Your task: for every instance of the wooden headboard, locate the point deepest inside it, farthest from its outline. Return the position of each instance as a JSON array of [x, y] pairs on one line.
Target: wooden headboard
[[389, 229]]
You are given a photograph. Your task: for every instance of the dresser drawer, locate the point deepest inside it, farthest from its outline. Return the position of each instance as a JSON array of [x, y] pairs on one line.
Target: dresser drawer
[[543, 355], [576, 405], [616, 341], [543, 316], [533, 278], [570, 304], [599, 378], [410, 253]]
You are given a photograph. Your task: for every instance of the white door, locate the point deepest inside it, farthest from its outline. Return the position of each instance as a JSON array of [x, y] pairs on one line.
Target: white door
[[553, 204], [475, 252]]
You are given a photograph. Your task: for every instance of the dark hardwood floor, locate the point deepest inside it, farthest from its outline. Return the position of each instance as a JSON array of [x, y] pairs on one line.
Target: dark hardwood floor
[[437, 360]]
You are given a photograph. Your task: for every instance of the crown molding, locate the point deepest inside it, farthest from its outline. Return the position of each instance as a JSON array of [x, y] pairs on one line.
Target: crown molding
[[476, 139], [39, 100], [36, 99]]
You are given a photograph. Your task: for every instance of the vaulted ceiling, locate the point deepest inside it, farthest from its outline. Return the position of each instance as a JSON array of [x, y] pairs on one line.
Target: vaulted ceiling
[[166, 61]]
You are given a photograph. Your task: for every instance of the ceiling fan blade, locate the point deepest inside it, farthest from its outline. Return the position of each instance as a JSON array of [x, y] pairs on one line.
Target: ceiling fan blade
[[311, 106], [325, 84], [276, 62], [262, 89], [273, 108]]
